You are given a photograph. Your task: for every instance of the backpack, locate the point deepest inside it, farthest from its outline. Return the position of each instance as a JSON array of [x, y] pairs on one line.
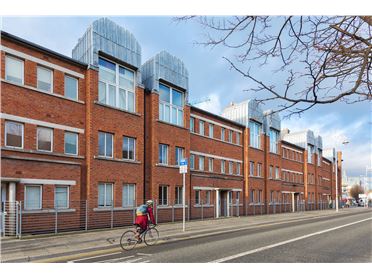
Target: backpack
[[142, 210]]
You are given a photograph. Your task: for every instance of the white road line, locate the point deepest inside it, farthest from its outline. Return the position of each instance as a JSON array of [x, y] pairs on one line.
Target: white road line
[[225, 259], [145, 262], [143, 254], [116, 260], [134, 260], [99, 256]]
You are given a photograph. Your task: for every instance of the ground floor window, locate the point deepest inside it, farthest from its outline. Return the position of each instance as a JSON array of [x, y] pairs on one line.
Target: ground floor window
[[163, 195], [208, 197], [61, 197], [129, 195], [33, 194], [259, 199], [178, 195], [197, 197], [105, 194]]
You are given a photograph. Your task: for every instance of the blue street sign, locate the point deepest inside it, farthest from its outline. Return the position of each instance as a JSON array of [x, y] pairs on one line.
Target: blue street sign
[[183, 162]]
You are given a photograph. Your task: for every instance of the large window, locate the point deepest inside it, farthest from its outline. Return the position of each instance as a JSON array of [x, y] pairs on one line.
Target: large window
[[129, 195], [201, 163], [32, 197], [71, 143], [255, 134], [179, 155], [163, 154], [178, 195], [44, 139], [192, 161], [192, 124], [201, 127], [14, 69], [310, 151], [105, 194], [71, 87], [116, 85], [129, 148], [105, 144], [14, 134], [163, 195], [171, 103], [211, 130], [61, 197], [274, 137], [44, 79]]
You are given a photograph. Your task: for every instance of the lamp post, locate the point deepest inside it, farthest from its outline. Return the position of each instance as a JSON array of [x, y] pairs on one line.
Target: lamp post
[[344, 142]]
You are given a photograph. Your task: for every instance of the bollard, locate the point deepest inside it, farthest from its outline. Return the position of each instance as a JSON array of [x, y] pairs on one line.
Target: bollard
[[20, 220], [112, 216], [56, 221], [156, 211]]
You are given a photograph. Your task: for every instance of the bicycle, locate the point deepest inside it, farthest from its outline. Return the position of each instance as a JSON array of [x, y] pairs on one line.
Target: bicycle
[[149, 236]]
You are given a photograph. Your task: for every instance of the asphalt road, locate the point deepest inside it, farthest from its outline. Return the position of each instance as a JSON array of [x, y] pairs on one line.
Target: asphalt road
[[332, 239]]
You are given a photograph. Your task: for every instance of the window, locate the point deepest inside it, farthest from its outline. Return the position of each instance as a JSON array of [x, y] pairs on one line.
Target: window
[[223, 134], [274, 136], [179, 155], [231, 167], [230, 136], [255, 134], [238, 168], [44, 79], [272, 198], [208, 197], [210, 164], [45, 139], [129, 195], [259, 199], [201, 163], [251, 196], [61, 197], [32, 197], [210, 130], [237, 197], [277, 173], [14, 69], [310, 151], [192, 161], [271, 172], [197, 197], [259, 169], [116, 85], [178, 195], [129, 148], [251, 168], [192, 124], [222, 166], [105, 194], [163, 154], [71, 143], [237, 138], [171, 103], [105, 144], [201, 127], [71, 87], [14, 134], [319, 157], [163, 195]]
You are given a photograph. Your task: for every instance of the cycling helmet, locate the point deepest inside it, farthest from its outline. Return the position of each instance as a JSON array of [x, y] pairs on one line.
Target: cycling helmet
[[149, 202]]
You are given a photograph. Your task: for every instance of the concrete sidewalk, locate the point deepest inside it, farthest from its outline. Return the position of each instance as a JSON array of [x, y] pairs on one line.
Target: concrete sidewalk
[[39, 247]]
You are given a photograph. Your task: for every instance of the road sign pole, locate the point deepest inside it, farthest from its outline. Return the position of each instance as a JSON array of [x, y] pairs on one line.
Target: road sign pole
[[184, 202]]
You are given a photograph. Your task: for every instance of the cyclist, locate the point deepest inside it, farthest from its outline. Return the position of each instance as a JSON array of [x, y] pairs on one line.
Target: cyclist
[[143, 214]]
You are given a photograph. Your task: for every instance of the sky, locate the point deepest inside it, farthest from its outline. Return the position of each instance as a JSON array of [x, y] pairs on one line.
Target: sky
[[209, 76]]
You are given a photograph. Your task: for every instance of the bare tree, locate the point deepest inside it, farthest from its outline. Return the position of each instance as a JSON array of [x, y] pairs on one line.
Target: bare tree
[[356, 190], [320, 59]]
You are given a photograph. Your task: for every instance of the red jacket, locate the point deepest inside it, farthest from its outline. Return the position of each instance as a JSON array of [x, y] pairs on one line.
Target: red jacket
[[143, 220]]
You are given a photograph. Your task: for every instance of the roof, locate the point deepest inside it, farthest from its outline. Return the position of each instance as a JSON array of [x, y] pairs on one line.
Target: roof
[[37, 47], [292, 145]]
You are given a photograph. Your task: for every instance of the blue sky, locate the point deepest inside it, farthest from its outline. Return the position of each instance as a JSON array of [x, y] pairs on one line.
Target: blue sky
[[209, 75]]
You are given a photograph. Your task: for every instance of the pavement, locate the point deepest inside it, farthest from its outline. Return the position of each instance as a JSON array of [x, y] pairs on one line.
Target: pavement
[[78, 245]]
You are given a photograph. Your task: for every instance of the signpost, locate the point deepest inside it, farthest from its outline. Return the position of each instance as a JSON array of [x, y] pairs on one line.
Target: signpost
[[183, 170]]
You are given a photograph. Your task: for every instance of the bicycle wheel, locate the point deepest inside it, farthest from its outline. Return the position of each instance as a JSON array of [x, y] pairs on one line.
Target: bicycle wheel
[[128, 240], [151, 236]]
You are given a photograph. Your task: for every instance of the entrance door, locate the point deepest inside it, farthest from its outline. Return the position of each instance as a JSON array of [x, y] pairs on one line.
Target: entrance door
[[223, 203]]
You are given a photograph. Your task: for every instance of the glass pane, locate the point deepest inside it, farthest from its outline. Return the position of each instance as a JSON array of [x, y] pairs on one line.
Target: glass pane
[[61, 197], [71, 88], [161, 112], [102, 92], [174, 115], [14, 70], [71, 143], [101, 144], [109, 145], [33, 197], [125, 148], [107, 75], [131, 149], [44, 79], [131, 101], [180, 117], [14, 134], [112, 96], [177, 98], [164, 93], [44, 139], [122, 101], [166, 113], [126, 83], [101, 195], [108, 194], [106, 64]]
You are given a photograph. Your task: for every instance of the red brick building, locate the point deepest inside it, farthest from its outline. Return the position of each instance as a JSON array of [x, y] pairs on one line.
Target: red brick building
[[91, 137]]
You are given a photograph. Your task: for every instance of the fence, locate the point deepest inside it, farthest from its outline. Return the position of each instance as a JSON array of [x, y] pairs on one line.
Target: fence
[[18, 218]]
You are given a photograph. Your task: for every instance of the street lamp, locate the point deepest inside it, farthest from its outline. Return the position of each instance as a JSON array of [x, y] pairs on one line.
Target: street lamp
[[344, 143]]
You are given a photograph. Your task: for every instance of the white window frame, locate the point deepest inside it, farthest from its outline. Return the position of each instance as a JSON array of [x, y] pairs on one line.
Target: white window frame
[[51, 140], [22, 68], [230, 136], [77, 87], [178, 195], [6, 132], [51, 78], [310, 150], [172, 106], [237, 138], [259, 169], [251, 168], [231, 167], [210, 164], [274, 135], [238, 166], [161, 199], [166, 147], [192, 162], [68, 196], [192, 124], [201, 127], [197, 197], [252, 196], [208, 197], [277, 173], [77, 143], [106, 184], [105, 144], [255, 130], [179, 151], [201, 165], [223, 169], [25, 197], [134, 148], [211, 130], [127, 199], [223, 134]]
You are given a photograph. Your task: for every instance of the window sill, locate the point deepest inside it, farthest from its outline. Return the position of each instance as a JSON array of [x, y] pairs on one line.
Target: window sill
[[116, 108], [206, 137], [17, 149], [171, 124], [117, 160], [253, 176], [105, 209], [32, 211], [167, 166], [273, 153], [204, 206], [255, 148], [170, 206], [216, 173], [53, 94]]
